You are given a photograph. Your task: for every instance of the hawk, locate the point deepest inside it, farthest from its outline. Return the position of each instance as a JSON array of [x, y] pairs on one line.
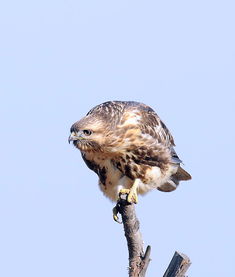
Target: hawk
[[130, 149]]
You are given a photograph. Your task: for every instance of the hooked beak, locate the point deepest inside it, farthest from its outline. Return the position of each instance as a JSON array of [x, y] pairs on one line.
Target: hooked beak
[[74, 136]]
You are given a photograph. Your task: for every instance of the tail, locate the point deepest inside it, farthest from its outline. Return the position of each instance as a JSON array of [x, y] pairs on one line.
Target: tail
[[180, 175]]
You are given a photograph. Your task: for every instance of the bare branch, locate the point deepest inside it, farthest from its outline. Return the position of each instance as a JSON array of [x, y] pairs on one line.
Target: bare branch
[[178, 266], [138, 260]]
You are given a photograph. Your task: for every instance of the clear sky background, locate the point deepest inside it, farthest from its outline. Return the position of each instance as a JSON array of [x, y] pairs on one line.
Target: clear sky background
[[60, 58]]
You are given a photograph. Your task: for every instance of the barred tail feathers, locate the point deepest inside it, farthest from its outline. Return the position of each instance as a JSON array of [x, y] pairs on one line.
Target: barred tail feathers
[[180, 175]]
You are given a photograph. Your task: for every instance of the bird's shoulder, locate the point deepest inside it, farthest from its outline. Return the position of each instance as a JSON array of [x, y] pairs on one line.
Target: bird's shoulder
[[148, 121]]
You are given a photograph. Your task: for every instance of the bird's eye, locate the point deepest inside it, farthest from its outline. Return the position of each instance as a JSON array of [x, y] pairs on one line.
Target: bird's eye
[[87, 132]]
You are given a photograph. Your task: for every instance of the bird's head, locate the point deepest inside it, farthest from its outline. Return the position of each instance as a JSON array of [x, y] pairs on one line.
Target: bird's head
[[106, 129], [88, 134]]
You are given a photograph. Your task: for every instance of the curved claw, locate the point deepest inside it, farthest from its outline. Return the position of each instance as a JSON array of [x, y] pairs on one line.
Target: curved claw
[[115, 215], [131, 196]]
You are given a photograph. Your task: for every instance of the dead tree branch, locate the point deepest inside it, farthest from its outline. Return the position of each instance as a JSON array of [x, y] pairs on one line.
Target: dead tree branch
[[138, 260], [178, 266]]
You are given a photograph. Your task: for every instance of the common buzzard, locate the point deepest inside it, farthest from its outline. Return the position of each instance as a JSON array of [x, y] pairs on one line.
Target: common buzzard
[[130, 149]]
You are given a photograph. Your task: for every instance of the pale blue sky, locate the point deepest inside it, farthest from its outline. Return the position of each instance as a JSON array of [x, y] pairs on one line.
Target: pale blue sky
[[60, 58]]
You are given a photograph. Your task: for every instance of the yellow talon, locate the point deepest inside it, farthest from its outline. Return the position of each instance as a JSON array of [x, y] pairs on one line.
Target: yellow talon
[[115, 215], [132, 195], [123, 191]]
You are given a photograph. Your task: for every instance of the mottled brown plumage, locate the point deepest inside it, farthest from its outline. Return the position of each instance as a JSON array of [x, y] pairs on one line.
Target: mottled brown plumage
[[124, 141]]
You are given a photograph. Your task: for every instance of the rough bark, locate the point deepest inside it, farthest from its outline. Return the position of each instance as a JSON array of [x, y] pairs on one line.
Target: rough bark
[[178, 266], [138, 259]]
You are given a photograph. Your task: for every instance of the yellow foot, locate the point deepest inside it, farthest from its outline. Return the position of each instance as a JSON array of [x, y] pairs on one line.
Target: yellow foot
[[132, 196]]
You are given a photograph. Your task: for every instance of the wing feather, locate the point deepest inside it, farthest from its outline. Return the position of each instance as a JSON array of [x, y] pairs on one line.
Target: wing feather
[[159, 143], [150, 123]]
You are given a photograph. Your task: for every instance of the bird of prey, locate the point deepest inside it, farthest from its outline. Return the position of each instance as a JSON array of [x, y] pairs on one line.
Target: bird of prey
[[130, 149]]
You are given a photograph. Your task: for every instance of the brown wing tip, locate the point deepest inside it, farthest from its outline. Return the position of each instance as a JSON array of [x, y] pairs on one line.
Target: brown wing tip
[[182, 175]]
